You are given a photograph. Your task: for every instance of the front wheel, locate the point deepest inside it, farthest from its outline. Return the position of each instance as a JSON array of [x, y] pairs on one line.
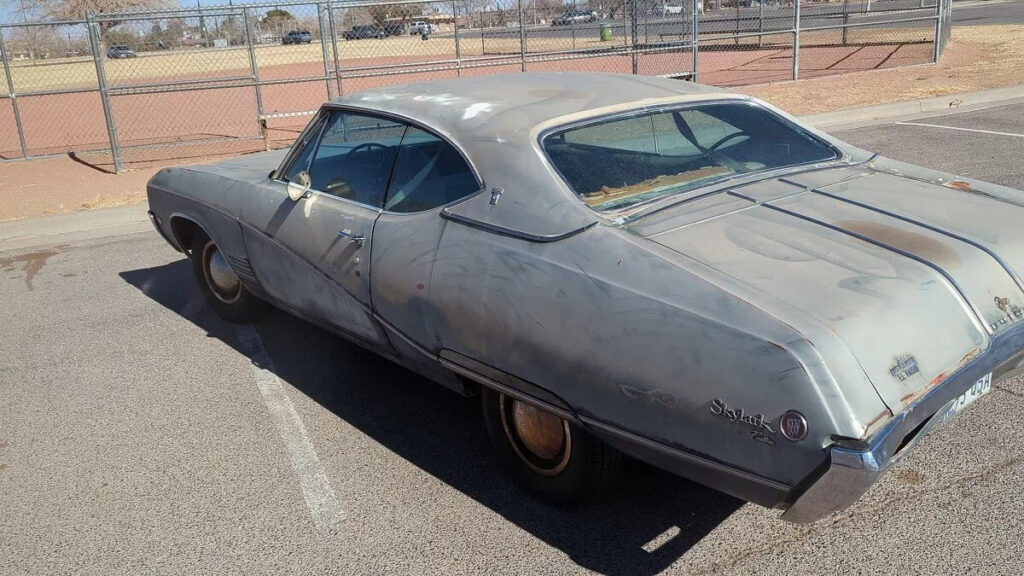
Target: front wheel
[[223, 291], [553, 458]]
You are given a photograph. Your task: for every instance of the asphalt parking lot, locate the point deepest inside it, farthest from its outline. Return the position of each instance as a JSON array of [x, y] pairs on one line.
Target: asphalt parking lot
[[141, 434]]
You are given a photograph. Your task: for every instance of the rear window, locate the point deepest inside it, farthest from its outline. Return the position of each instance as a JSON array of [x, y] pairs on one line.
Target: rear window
[[619, 163]]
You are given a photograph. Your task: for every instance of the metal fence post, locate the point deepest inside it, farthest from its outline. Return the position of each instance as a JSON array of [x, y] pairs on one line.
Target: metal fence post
[[13, 96], [323, 48], [936, 51], [101, 78], [695, 40], [846, 19], [737, 38], [760, 21], [633, 33], [334, 46], [796, 39], [254, 70], [522, 37], [458, 48]]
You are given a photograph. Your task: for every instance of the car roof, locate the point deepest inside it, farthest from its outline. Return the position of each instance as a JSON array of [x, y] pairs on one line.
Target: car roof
[[496, 119], [509, 103]]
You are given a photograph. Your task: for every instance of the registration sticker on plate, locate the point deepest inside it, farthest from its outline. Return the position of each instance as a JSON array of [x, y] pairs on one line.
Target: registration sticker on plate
[[980, 388]]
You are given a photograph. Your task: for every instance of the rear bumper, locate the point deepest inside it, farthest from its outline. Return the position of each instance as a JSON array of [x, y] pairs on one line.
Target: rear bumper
[[854, 466]]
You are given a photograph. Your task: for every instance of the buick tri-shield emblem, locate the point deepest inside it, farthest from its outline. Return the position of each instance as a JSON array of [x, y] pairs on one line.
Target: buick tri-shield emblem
[[793, 426]]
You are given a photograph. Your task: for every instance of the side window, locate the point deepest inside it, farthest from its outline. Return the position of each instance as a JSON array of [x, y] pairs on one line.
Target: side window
[[429, 173], [355, 157], [308, 144]]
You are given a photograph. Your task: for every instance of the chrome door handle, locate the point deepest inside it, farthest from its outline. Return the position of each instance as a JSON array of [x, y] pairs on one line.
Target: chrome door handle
[[352, 237]]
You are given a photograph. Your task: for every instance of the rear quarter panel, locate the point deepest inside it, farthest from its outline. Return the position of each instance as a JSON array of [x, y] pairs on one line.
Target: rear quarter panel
[[630, 339]]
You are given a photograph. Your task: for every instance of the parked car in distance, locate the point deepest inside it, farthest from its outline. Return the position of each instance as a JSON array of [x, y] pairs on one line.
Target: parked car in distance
[[394, 28], [118, 51], [633, 265], [358, 32], [422, 27], [297, 37], [574, 17]]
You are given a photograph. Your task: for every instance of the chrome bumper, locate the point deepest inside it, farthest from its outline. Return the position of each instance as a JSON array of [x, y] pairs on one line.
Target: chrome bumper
[[854, 466]]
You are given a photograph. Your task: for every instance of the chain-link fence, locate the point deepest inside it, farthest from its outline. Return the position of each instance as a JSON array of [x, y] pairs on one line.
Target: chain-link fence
[[191, 83]]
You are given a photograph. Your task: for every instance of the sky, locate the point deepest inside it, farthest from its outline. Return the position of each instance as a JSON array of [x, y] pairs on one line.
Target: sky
[[9, 16]]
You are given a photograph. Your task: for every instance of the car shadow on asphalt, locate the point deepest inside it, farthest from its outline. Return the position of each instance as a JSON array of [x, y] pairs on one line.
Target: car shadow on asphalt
[[648, 522]]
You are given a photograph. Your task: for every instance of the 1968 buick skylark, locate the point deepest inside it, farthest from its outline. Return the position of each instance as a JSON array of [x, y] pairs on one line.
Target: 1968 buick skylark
[[628, 265]]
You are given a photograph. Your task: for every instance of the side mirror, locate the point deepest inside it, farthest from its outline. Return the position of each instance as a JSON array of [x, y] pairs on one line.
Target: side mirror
[[299, 186]]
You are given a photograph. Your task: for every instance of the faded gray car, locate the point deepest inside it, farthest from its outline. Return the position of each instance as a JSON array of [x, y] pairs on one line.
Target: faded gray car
[[628, 265]]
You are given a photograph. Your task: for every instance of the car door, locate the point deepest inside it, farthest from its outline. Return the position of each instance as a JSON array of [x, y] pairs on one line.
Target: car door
[[313, 254]]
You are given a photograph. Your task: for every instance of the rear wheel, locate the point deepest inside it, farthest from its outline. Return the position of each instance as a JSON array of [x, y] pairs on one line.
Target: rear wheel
[[224, 292], [555, 459]]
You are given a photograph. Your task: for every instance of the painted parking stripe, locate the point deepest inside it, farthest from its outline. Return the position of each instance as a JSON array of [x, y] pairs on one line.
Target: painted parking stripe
[[316, 488], [994, 133]]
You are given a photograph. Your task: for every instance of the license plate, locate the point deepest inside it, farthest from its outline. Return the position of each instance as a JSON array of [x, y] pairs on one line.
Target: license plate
[[980, 388]]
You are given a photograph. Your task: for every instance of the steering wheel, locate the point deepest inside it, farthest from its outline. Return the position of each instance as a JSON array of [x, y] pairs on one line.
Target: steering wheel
[[725, 139], [369, 146]]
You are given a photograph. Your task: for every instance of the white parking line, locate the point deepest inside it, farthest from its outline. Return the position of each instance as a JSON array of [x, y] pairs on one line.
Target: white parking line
[[1013, 134], [661, 539], [323, 504]]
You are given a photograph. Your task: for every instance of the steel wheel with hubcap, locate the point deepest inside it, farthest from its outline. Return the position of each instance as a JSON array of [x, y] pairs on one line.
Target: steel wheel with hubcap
[[541, 440], [219, 284], [219, 276], [556, 459]]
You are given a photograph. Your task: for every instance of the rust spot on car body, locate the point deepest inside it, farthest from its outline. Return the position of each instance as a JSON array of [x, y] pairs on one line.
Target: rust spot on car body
[[899, 237], [876, 419], [959, 185], [942, 376]]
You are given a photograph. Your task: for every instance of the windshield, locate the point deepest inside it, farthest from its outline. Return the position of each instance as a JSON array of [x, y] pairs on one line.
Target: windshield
[[618, 163]]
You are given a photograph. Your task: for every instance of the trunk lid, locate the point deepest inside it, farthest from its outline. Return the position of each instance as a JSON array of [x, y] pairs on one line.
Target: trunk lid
[[914, 277]]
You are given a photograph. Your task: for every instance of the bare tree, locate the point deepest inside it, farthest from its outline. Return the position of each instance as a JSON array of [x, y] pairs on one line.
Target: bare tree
[[383, 12], [76, 9], [33, 10], [278, 20]]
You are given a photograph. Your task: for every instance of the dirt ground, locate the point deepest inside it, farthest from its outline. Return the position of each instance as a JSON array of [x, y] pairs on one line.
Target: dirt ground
[[977, 58]]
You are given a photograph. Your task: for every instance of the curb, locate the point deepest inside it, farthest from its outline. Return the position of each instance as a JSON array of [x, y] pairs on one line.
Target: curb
[[74, 226], [910, 107]]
